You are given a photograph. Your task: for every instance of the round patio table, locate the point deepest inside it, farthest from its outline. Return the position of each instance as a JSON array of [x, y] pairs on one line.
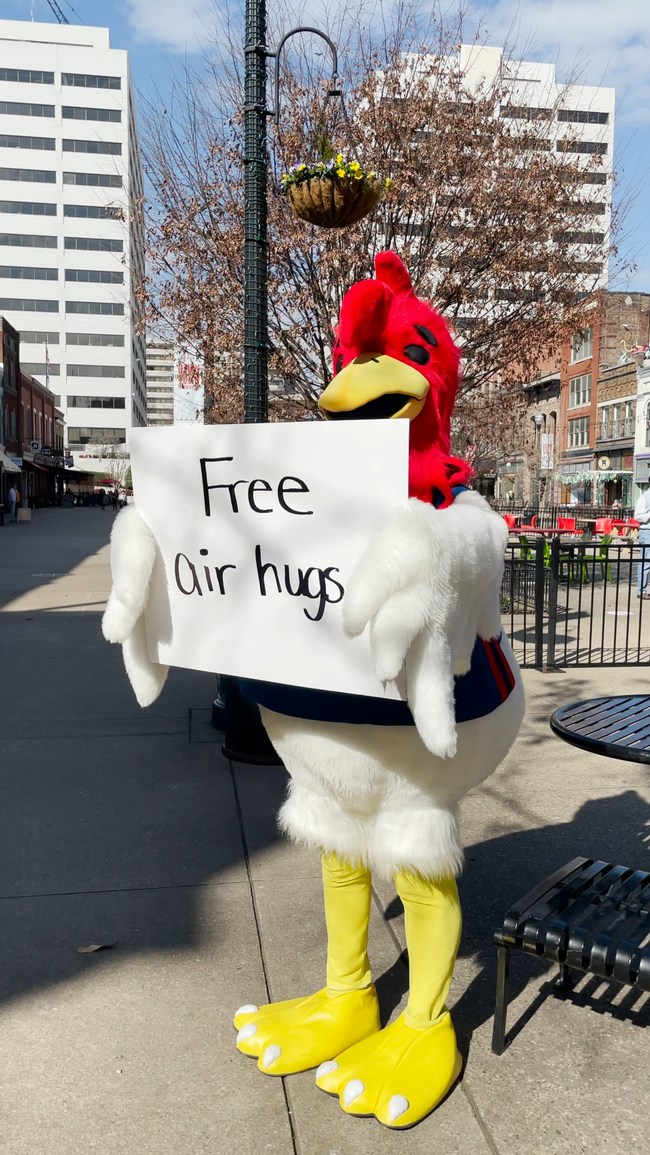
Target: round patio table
[[617, 727]]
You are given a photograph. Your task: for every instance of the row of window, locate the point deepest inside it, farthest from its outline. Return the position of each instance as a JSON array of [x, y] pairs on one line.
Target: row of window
[[68, 111], [48, 176], [40, 369], [567, 115], [96, 402], [69, 79], [48, 144], [588, 147], [578, 432], [99, 340], [40, 241], [48, 209], [78, 436], [35, 273], [617, 420], [95, 308]]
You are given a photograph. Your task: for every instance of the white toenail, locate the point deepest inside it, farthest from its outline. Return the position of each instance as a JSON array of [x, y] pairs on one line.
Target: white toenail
[[327, 1068], [246, 1032], [270, 1055], [247, 1009], [352, 1091], [397, 1107]]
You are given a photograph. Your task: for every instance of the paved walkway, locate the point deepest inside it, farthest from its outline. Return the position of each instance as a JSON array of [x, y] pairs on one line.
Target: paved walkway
[[118, 829]]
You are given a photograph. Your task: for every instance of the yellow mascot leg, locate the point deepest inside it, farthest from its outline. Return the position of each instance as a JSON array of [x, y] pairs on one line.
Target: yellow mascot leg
[[302, 1033], [402, 1073]]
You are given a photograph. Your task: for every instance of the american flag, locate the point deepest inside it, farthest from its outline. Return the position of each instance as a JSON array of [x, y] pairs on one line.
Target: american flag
[[48, 367]]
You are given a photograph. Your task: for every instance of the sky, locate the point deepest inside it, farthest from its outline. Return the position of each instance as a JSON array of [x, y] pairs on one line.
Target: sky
[[608, 40]]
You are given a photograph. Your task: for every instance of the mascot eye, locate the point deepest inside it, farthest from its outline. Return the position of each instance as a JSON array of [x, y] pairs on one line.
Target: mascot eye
[[338, 364], [418, 354], [426, 335]]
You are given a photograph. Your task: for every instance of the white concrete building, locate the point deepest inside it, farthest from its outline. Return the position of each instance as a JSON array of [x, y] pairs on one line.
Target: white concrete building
[[174, 385], [642, 429], [71, 229]]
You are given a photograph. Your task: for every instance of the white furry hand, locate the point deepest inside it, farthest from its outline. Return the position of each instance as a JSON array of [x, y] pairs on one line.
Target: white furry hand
[[133, 554], [427, 586]]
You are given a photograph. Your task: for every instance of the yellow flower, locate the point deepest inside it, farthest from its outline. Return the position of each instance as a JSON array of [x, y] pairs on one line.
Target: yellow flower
[[339, 159], [354, 165], [340, 172], [388, 182], [358, 176], [372, 175], [285, 175], [300, 167]]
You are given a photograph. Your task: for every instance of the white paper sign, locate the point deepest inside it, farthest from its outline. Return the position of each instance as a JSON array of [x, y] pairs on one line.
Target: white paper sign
[[259, 528]]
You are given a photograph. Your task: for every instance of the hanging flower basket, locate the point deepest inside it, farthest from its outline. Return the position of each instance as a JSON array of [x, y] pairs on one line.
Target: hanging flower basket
[[334, 193]]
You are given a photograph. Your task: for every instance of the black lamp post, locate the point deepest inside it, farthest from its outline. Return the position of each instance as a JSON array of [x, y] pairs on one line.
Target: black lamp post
[[255, 202], [245, 739]]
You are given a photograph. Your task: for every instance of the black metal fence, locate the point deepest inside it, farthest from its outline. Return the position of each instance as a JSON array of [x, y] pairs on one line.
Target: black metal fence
[[571, 602], [547, 515]]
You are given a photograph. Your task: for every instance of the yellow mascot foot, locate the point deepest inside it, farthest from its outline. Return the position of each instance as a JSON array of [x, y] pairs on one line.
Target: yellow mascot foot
[[398, 1075], [303, 1033]]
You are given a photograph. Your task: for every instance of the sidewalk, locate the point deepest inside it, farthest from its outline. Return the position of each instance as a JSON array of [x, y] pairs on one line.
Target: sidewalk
[[115, 828]]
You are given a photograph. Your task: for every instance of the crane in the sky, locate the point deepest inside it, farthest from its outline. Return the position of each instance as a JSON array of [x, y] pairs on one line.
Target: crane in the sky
[[57, 12]]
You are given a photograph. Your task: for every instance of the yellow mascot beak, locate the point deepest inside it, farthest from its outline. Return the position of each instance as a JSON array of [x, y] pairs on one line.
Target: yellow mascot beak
[[374, 385]]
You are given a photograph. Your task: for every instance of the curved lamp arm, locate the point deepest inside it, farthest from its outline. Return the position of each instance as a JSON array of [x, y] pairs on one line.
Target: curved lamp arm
[[334, 91]]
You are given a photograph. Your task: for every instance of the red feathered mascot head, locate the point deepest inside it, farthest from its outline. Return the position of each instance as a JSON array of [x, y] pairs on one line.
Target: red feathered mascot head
[[394, 357]]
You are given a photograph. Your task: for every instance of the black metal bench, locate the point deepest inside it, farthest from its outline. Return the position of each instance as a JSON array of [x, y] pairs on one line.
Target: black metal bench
[[590, 917]]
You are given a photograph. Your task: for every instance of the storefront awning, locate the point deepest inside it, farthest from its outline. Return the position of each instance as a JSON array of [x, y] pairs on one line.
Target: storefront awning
[[7, 464]]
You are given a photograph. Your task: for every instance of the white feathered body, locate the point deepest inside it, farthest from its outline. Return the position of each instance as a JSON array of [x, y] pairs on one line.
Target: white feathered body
[[383, 795]]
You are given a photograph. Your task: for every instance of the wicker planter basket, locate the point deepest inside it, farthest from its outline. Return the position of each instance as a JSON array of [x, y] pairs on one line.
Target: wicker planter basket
[[334, 202]]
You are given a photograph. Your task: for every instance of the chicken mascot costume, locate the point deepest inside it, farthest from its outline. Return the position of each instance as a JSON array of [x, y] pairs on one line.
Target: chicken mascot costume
[[375, 784]]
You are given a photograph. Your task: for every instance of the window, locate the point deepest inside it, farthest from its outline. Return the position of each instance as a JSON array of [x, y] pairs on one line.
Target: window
[[592, 147], [103, 340], [617, 420], [579, 116], [97, 308], [43, 143], [35, 175], [93, 179], [97, 402], [580, 391], [23, 306], [95, 276], [22, 108], [93, 244], [519, 113], [28, 208], [26, 76], [578, 432], [69, 112], [28, 273], [40, 369], [94, 212], [81, 80], [577, 238], [582, 345], [38, 338], [27, 240], [80, 436], [97, 147], [95, 370]]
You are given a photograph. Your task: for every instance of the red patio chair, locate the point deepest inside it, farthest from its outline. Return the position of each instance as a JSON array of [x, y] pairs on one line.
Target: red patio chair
[[532, 524], [567, 524], [510, 520], [603, 525]]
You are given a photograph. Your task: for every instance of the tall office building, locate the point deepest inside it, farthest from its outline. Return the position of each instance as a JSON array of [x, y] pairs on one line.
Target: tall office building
[[174, 385], [71, 227]]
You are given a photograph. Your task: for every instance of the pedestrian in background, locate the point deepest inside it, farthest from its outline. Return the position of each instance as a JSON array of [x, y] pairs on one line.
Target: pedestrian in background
[[12, 498], [642, 515]]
